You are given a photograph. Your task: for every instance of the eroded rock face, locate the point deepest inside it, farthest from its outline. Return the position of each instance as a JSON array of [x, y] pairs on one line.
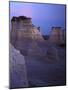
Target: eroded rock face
[[57, 35], [34, 49], [22, 27], [18, 72], [23, 34], [52, 54]]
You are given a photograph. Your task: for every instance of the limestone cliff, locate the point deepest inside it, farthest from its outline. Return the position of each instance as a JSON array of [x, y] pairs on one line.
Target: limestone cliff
[[22, 27], [23, 33]]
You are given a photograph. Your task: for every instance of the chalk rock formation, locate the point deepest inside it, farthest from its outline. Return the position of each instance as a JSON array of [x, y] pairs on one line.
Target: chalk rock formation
[[22, 27], [23, 33], [57, 35], [18, 72]]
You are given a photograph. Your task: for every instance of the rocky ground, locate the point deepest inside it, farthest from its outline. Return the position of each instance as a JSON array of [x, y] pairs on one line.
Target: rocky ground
[[45, 65], [46, 70]]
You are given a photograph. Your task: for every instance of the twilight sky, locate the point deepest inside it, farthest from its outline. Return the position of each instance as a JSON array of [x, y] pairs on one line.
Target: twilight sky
[[43, 15]]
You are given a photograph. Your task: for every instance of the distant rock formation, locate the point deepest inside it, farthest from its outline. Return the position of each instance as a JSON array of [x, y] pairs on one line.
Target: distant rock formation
[[57, 35]]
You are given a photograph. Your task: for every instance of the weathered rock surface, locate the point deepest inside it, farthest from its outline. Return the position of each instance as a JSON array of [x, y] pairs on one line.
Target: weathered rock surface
[[18, 72], [57, 35], [52, 54]]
